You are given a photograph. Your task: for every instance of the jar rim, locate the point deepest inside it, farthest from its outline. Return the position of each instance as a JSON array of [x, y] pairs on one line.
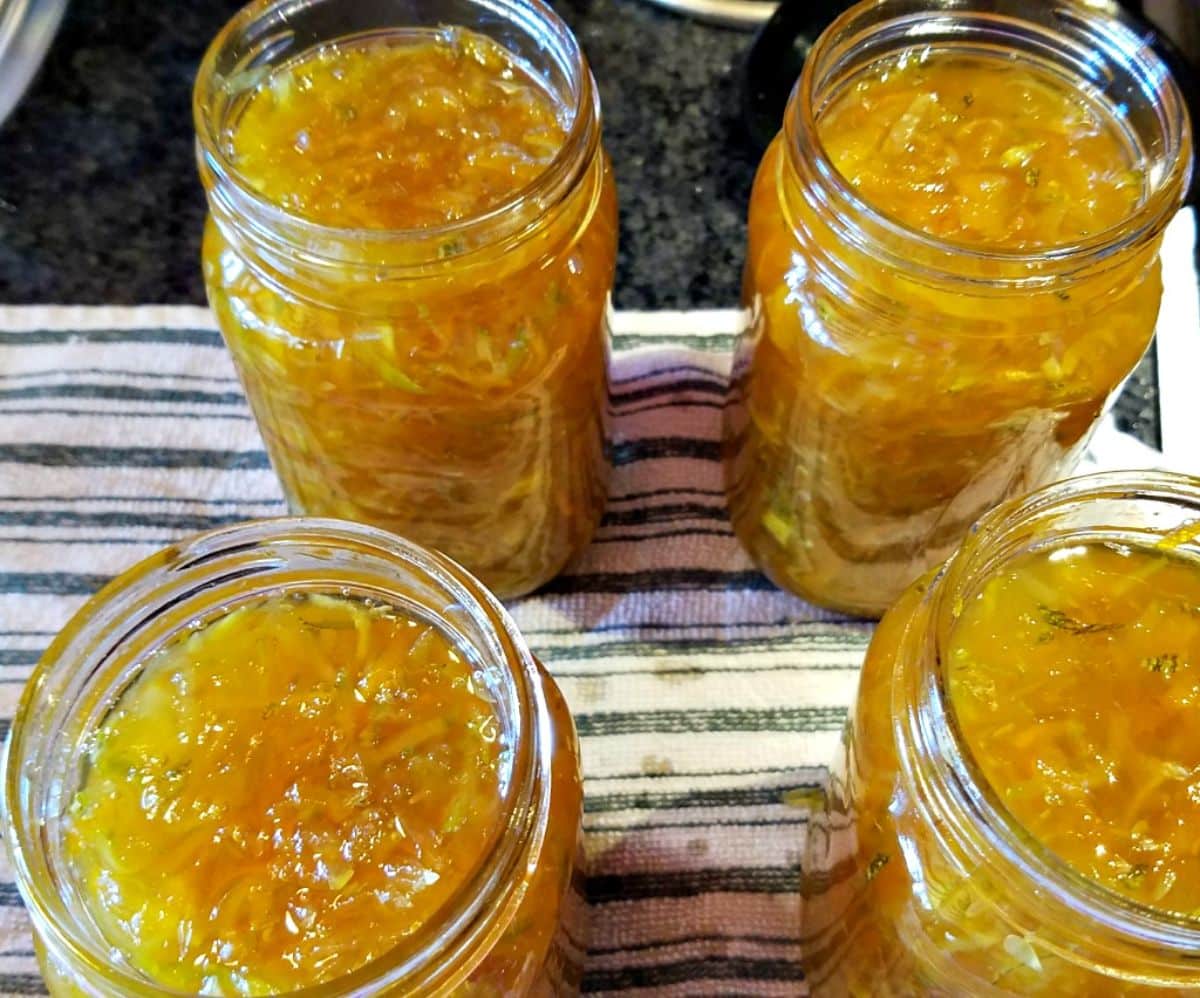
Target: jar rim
[[1104, 35], [204, 573], [954, 779], [262, 23]]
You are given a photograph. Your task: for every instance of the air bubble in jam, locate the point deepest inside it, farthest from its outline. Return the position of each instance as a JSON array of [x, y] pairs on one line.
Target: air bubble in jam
[[315, 773]]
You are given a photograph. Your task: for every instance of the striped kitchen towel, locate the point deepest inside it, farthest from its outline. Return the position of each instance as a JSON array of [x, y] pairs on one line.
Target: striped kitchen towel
[[704, 696], [707, 701]]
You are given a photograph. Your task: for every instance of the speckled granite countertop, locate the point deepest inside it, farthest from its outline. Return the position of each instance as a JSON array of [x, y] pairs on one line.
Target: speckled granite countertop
[[99, 201]]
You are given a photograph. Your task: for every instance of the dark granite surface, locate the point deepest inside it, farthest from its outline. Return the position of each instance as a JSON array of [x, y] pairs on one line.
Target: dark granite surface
[[99, 201]]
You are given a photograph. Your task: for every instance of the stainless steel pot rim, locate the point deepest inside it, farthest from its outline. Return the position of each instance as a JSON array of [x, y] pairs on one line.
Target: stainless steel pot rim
[[26, 29], [735, 13]]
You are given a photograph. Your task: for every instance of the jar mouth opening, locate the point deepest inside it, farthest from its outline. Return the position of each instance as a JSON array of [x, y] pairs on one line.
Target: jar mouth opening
[[1007, 533], [1093, 45], [237, 61], [103, 649]]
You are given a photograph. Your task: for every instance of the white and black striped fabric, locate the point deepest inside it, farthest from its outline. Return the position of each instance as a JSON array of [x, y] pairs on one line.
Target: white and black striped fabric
[[707, 701], [704, 697]]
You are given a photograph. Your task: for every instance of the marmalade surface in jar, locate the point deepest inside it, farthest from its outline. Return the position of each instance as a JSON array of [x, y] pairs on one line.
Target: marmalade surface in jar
[[1075, 679], [929, 331], [422, 332], [403, 135], [287, 793], [1068, 676]]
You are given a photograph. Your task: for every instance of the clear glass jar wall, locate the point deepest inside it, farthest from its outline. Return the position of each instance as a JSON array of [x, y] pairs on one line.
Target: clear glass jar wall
[[918, 876], [446, 380], [514, 925], [893, 384]]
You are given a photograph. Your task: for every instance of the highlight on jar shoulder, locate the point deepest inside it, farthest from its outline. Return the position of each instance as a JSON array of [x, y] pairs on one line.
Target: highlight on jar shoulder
[[297, 755], [952, 267], [410, 251], [1013, 807]]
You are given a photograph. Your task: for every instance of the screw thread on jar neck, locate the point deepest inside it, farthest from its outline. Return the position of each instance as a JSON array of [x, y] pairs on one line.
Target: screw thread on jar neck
[[272, 33], [1069, 914], [1081, 44]]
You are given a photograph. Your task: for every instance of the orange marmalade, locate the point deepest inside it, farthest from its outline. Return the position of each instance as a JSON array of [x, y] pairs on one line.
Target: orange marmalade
[[297, 754], [1075, 678], [410, 248], [941, 305], [286, 794], [456, 128], [983, 152], [1012, 808]]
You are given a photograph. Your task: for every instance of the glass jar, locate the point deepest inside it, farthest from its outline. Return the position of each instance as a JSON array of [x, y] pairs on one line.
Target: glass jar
[[450, 382], [892, 386], [918, 880], [514, 927]]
